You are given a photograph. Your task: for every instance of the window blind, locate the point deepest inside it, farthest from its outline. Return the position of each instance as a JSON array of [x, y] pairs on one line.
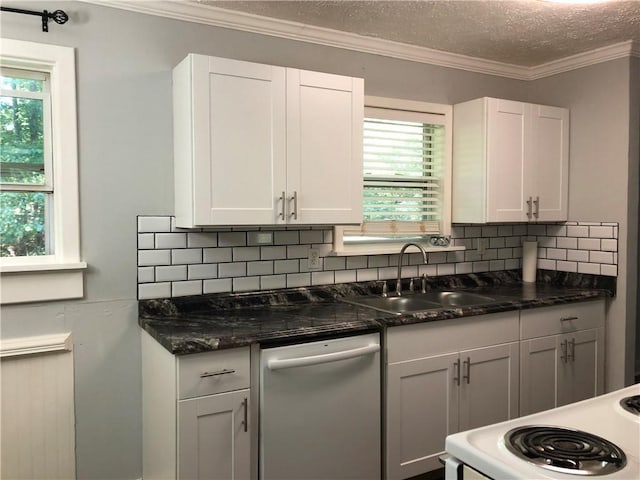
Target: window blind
[[403, 172]]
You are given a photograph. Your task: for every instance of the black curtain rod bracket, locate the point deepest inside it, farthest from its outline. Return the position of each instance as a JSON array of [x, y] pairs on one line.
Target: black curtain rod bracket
[[58, 16]]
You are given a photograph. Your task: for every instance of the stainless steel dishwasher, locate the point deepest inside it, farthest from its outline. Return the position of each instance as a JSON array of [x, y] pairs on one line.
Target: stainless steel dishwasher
[[320, 410]]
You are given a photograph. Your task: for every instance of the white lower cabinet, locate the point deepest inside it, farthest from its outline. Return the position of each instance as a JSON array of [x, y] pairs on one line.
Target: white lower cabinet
[[197, 414], [444, 377], [213, 438], [562, 355]]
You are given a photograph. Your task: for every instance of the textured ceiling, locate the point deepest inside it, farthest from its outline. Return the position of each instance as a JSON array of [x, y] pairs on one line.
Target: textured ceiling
[[519, 32]]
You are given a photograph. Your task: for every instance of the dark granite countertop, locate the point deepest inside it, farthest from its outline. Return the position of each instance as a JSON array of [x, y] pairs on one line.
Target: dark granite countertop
[[201, 323]]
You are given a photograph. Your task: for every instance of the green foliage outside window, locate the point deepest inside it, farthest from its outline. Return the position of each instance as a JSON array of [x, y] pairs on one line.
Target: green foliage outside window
[[22, 159]]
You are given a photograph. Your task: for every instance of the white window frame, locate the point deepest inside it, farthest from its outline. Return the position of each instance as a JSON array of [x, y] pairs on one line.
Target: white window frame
[[393, 246], [60, 275]]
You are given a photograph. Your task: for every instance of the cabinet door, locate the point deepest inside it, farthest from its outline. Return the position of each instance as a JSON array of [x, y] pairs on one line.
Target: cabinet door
[[324, 147], [239, 141], [213, 438], [548, 162], [540, 360], [422, 409], [582, 375], [489, 385], [506, 176]]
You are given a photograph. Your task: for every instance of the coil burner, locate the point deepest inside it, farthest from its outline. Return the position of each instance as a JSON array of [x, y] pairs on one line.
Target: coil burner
[[631, 404], [565, 450]]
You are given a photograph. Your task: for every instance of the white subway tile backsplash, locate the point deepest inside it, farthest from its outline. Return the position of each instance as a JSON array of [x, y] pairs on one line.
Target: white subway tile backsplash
[[592, 268], [202, 239], [366, 274], [216, 286], [286, 266], [189, 287], [217, 255], [567, 242], [566, 266], [578, 255], [146, 274], [202, 271], [600, 232], [273, 253], [345, 276], [154, 290], [286, 237], [577, 231], [246, 284], [311, 236], [154, 257], [356, 262], [298, 279], [171, 240], [226, 270], [171, 273], [186, 256], [146, 241], [174, 261], [260, 268], [154, 224], [246, 254], [600, 257], [336, 263], [272, 282], [322, 278], [232, 239], [298, 251], [589, 244]]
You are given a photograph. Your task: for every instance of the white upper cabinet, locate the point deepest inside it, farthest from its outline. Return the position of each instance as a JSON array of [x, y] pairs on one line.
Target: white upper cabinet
[[263, 145], [510, 162]]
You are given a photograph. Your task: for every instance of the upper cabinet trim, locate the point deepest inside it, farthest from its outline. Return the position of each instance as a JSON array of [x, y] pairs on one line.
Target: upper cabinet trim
[[219, 17]]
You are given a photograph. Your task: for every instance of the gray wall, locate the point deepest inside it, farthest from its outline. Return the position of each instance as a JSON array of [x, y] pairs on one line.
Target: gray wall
[[124, 63], [603, 182]]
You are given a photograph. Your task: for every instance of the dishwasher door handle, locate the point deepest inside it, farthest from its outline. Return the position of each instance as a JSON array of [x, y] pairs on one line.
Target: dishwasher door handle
[[279, 364]]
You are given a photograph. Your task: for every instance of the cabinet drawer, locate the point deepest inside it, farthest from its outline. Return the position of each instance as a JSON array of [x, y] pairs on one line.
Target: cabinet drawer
[[213, 372], [420, 340], [561, 319]]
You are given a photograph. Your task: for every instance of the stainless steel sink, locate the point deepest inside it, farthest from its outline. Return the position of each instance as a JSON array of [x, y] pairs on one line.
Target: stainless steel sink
[[458, 299], [395, 305], [419, 302]]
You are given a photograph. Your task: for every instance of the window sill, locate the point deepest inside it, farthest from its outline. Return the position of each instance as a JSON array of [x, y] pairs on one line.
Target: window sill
[[386, 249], [41, 282]]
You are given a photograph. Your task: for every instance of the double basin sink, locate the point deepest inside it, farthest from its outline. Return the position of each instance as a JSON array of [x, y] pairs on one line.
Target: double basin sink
[[420, 302]]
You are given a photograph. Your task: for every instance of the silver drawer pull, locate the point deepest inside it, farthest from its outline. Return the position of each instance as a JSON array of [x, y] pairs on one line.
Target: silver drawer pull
[[224, 371], [567, 319]]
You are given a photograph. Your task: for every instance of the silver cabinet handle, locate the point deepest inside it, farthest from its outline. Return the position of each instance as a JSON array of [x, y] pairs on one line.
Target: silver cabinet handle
[[283, 199], [563, 348], [245, 422], [571, 347], [529, 207], [568, 319], [467, 377], [224, 371], [279, 364], [536, 202], [294, 199], [456, 366]]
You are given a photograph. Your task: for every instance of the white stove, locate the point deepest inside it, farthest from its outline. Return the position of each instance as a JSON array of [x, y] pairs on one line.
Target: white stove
[[598, 437]]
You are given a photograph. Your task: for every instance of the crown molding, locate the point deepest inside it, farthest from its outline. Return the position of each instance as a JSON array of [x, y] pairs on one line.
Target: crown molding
[[61, 342], [190, 11], [599, 55]]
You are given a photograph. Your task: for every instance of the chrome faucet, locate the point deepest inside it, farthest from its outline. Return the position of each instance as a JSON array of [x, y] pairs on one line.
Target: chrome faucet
[[399, 281]]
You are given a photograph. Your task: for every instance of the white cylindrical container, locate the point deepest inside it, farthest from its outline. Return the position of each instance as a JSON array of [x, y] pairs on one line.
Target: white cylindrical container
[[529, 261]]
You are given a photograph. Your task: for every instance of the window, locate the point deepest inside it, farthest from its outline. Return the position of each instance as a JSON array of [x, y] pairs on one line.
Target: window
[[406, 171], [39, 244], [26, 187]]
